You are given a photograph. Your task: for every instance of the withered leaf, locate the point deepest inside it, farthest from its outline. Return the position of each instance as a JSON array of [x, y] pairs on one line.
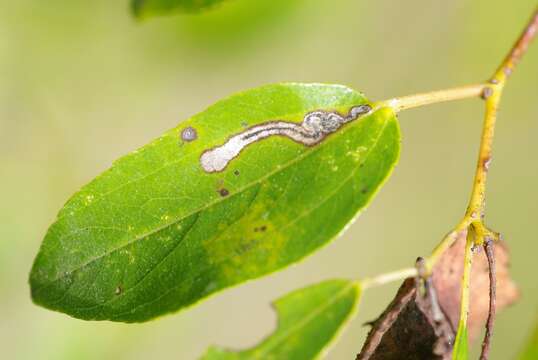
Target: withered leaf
[[408, 329], [447, 276]]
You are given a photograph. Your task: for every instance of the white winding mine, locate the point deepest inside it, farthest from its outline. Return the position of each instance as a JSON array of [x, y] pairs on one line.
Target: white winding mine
[[312, 130]]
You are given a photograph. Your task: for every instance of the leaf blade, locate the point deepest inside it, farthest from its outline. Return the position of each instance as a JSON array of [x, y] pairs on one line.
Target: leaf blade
[[154, 233], [146, 8], [309, 319]]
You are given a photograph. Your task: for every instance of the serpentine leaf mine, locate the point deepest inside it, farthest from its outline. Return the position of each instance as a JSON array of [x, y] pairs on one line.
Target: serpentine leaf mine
[[311, 131]]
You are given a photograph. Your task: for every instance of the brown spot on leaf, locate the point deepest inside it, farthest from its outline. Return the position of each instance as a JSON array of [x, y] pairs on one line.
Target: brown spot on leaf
[[262, 228], [223, 192], [119, 290]]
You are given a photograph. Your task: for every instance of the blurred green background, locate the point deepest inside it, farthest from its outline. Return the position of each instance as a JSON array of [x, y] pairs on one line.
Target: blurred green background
[[82, 83]]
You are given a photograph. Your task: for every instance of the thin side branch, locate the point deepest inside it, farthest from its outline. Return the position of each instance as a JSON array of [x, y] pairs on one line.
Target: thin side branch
[[518, 50], [490, 254]]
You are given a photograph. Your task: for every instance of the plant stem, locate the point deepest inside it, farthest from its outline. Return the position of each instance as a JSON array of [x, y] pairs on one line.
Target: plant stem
[[518, 50], [492, 95], [491, 92], [490, 254], [473, 219]]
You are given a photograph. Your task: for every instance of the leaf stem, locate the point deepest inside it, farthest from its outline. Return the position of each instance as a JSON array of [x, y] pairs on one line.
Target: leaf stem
[[433, 97], [461, 337], [389, 277]]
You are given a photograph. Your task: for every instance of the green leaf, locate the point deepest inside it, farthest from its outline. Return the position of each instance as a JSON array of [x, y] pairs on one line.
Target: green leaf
[[461, 345], [308, 319], [144, 8], [531, 348], [156, 232]]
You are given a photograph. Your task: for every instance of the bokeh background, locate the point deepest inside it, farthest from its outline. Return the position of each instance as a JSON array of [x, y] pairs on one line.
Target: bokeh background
[[82, 83]]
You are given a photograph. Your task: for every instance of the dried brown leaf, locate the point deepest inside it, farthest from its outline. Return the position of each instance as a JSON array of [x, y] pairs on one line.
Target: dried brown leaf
[[447, 276], [407, 330]]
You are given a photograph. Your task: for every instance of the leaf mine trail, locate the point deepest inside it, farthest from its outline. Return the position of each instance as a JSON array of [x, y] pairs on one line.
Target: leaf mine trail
[[312, 130]]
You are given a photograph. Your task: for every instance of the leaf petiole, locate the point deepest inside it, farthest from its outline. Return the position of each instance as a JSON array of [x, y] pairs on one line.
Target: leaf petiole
[[433, 97], [389, 277]]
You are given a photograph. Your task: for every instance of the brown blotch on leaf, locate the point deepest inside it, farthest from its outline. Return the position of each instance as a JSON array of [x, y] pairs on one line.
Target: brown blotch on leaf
[[408, 329], [447, 275], [262, 228], [223, 192]]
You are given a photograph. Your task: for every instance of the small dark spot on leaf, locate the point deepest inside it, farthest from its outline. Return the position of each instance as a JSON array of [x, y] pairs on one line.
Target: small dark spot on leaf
[[189, 134], [364, 190], [236, 172], [118, 290], [262, 228], [223, 192]]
